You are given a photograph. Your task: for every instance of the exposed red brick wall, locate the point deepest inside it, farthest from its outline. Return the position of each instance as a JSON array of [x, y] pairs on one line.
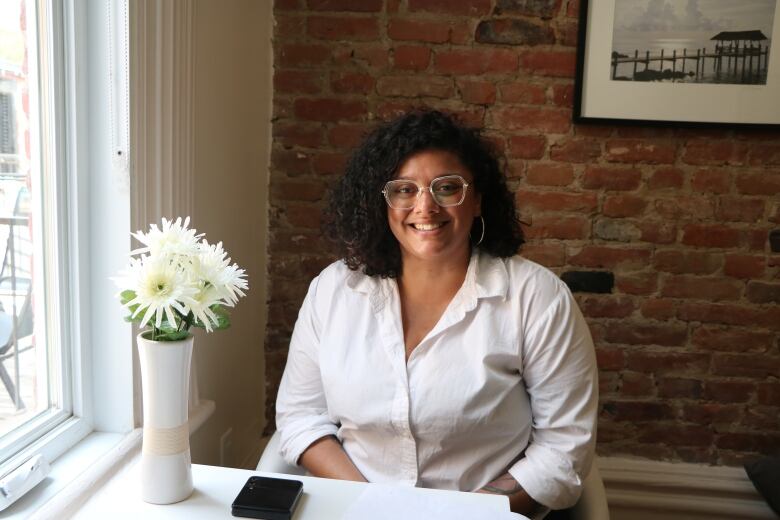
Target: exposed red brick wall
[[688, 339]]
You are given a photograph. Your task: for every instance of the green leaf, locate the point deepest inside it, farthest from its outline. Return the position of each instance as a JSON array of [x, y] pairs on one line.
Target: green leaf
[[223, 321], [174, 335], [223, 318], [164, 336], [166, 327], [126, 296]]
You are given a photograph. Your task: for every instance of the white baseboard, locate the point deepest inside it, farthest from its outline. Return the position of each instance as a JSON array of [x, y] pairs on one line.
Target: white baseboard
[[644, 489]]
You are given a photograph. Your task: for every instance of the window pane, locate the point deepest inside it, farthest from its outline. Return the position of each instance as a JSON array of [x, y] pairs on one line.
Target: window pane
[[24, 388]]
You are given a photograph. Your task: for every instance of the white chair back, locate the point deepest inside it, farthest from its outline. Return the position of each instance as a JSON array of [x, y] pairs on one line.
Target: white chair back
[[272, 462]]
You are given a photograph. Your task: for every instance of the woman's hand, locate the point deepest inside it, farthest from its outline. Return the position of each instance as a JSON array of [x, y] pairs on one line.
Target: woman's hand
[[326, 458], [519, 501]]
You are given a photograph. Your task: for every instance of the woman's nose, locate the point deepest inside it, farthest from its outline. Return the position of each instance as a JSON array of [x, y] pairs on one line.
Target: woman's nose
[[425, 202]]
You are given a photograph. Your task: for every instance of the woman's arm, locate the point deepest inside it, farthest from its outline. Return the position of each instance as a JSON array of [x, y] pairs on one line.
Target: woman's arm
[[519, 500], [326, 458], [301, 408], [560, 375]]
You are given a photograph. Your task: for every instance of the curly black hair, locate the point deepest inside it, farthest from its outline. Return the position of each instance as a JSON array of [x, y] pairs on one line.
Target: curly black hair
[[355, 217]]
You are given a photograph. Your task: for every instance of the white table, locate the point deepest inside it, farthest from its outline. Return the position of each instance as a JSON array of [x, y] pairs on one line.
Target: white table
[[216, 487]]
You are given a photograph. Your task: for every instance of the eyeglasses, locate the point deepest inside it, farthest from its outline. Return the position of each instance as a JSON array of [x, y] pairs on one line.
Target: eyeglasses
[[446, 191]]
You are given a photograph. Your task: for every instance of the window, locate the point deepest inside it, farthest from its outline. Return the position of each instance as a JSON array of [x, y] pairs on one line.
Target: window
[[10, 73], [8, 163], [63, 229], [34, 391]]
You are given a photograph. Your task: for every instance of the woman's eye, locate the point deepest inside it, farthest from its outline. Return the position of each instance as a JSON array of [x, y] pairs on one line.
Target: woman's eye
[[406, 189]]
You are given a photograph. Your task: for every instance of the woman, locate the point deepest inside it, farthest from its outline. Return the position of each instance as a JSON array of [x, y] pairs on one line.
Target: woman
[[431, 355]]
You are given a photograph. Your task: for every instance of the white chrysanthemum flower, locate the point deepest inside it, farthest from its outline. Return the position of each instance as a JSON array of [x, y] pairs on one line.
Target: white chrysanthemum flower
[[160, 287], [203, 299], [180, 280], [173, 239], [212, 266], [234, 283]]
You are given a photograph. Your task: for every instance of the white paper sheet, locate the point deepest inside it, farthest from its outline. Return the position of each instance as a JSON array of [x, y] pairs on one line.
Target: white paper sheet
[[380, 502]]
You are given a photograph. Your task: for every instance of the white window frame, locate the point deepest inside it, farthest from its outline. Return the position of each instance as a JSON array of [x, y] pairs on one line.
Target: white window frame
[[90, 227]]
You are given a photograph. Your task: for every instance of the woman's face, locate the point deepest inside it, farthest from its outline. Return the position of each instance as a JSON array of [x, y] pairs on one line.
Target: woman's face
[[429, 231]]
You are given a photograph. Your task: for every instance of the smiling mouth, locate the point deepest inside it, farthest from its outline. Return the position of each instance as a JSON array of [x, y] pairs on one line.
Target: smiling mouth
[[428, 227]]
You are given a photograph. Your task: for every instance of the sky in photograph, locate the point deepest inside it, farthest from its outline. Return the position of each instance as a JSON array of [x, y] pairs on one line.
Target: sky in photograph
[[694, 15]]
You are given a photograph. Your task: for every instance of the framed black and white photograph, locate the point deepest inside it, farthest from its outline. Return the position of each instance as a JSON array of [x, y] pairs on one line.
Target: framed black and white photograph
[[678, 61]]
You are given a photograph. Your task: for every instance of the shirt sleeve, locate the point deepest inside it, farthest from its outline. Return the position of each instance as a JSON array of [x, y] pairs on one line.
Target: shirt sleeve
[[560, 374], [301, 408]]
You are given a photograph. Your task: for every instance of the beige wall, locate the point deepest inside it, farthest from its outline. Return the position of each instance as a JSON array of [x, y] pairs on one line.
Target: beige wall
[[232, 137]]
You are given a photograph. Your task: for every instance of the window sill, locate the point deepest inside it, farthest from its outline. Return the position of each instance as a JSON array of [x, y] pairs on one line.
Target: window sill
[[83, 469]]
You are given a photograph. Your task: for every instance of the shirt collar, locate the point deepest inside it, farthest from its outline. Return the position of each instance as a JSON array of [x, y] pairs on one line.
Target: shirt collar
[[486, 277], [375, 287], [489, 274]]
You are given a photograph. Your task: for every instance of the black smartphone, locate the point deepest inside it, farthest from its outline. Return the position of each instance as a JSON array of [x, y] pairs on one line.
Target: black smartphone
[[268, 498]]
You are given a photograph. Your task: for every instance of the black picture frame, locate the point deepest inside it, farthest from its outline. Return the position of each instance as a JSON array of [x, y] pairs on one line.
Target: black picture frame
[[702, 105]]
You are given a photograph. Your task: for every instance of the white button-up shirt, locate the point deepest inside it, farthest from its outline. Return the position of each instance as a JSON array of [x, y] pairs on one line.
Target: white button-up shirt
[[505, 381]]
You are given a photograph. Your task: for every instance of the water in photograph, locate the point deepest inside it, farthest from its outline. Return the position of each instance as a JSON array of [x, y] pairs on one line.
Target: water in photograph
[[688, 27], [627, 43]]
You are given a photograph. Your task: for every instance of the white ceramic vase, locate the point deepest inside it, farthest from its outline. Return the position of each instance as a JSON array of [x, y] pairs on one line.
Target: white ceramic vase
[[166, 469]]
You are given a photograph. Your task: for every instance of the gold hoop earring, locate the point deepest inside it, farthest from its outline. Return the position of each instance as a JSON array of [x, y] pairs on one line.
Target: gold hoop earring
[[482, 236]]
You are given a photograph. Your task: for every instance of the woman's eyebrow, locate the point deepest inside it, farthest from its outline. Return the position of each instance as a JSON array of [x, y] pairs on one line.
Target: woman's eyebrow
[[410, 177]]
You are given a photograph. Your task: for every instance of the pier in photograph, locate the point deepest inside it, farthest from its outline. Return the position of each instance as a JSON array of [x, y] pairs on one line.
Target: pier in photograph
[[738, 56]]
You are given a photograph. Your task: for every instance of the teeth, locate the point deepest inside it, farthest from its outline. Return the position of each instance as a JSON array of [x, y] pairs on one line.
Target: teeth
[[428, 227]]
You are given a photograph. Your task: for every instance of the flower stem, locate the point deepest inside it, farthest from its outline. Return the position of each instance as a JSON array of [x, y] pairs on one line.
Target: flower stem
[[188, 320]]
